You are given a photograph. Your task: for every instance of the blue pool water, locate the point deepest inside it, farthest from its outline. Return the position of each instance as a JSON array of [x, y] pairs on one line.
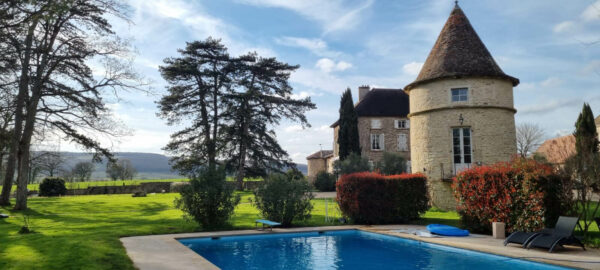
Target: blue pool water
[[348, 249]]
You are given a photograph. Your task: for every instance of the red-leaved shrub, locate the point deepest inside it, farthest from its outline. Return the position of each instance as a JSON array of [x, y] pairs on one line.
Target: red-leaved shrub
[[524, 194], [372, 198]]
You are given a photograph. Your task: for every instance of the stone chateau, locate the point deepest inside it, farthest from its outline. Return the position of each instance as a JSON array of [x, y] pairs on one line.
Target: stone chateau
[[458, 113]]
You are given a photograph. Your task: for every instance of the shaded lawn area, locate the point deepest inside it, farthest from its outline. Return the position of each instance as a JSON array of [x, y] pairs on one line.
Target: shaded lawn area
[[77, 232]]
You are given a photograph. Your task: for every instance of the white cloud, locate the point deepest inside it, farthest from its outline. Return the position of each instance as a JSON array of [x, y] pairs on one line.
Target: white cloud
[[551, 82], [592, 12], [412, 68], [334, 15], [564, 27], [328, 65], [305, 94], [293, 128], [312, 44]]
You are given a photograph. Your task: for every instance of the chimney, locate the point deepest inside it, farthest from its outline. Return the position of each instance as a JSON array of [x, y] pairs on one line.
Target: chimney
[[362, 91]]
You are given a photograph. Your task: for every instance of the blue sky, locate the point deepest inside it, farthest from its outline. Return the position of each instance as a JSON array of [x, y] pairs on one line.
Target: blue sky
[[549, 45]]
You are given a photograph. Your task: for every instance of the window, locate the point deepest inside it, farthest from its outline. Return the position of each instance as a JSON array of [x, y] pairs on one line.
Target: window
[[460, 94], [375, 123], [461, 143], [402, 123], [377, 142], [402, 142]]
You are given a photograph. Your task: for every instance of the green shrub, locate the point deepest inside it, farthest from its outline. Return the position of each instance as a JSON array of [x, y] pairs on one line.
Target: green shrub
[[284, 199], [353, 163], [325, 181], [208, 199], [295, 173], [391, 164], [524, 194], [52, 186], [372, 198]]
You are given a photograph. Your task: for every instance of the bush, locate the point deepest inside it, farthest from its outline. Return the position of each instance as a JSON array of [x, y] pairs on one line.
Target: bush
[[524, 194], [208, 199], [52, 186], [284, 199], [372, 198], [391, 164], [325, 181], [353, 163]]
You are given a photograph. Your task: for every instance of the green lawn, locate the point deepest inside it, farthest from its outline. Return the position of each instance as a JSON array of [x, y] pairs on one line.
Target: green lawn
[[83, 231]]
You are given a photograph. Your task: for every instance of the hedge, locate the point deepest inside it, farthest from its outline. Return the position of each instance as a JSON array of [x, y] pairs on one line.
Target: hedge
[[524, 194], [372, 198]]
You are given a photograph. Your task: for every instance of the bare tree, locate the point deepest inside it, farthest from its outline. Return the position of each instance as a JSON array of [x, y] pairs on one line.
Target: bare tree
[[57, 89], [50, 162], [82, 171], [529, 137], [128, 172]]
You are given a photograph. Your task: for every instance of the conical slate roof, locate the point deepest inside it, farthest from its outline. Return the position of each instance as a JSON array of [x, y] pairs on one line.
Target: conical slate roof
[[459, 52]]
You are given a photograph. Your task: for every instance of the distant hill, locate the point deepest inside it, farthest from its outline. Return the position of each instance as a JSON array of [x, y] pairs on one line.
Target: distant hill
[[148, 165]]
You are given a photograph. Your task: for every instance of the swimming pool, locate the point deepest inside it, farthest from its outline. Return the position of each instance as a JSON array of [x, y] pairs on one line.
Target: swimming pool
[[347, 249]]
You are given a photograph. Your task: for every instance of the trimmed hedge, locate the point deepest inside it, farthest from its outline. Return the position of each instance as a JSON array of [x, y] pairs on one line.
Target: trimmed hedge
[[524, 194], [372, 198], [52, 186]]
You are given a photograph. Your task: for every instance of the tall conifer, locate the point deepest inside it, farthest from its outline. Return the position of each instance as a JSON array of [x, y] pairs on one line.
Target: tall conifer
[[348, 127]]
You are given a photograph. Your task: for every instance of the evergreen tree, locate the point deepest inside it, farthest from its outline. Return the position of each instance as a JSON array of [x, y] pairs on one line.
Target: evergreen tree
[[585, 166], [197, 82], [348, 127], [260, 99]]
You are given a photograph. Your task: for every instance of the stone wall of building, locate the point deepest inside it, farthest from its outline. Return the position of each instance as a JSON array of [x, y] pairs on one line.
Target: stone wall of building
[[315, 166], [488, 112], [390, 137]]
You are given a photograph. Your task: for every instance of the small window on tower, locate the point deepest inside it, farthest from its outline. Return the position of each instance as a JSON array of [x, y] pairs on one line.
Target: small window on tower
[[460, 94]]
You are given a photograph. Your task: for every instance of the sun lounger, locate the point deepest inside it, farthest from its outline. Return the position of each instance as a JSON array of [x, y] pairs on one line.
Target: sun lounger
[[3, 216], [523, 238], [269, 224], [561, 235]]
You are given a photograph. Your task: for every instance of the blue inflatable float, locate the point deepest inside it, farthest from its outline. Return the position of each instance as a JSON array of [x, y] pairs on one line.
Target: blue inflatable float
[[446, 230]]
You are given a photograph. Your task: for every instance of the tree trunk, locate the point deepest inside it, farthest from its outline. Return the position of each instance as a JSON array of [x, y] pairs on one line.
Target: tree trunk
[[20, 104]]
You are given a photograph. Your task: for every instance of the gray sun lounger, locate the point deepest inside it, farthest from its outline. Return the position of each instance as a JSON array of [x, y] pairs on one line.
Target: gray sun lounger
[[561, 235], [3, 216]]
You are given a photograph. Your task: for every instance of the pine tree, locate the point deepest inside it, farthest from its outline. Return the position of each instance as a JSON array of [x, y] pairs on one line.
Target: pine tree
[[585, 165], [260, 99], [198, 80], [348, 127]]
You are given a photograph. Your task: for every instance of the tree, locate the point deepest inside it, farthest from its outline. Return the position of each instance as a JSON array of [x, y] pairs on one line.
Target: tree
[[56, 41], [82, 171], [284, 198], [113, 170], [120, 169], [208, 199], [348, 127], [391, 164], [529, 137], [50, 162], [585, 166], [259, 100], [353, 163], [127, 171], [197, 82]]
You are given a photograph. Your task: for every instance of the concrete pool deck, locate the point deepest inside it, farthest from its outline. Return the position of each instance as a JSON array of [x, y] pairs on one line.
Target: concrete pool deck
[[155, 252]]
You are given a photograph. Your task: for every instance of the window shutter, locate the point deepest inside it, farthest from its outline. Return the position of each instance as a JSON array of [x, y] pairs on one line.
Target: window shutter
[[381, 142], [396, 124], [407, 123]]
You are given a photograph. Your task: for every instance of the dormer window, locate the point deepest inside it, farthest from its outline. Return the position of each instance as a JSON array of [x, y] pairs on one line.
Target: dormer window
[[460, 94], [402, 124], [375, 123]]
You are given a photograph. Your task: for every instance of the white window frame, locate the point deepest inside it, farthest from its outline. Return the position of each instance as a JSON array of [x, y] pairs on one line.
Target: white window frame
[[461, 146], [380, 143], [403, 148], [402, 124], [376, 124], [461, 97]]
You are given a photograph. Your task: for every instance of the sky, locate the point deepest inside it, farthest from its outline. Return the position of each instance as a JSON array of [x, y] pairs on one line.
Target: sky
[[552, 46]]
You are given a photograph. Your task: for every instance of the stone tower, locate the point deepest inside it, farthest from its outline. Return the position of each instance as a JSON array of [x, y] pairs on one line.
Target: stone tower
[[461, 109]]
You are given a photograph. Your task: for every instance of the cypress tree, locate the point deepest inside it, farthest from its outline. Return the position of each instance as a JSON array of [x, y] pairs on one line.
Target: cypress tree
[[348, 127], [586, 166]]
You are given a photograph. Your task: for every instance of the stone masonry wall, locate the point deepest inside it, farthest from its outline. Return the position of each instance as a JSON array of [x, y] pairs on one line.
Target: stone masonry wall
[[315, 166], [390, 137], [433, 115]]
